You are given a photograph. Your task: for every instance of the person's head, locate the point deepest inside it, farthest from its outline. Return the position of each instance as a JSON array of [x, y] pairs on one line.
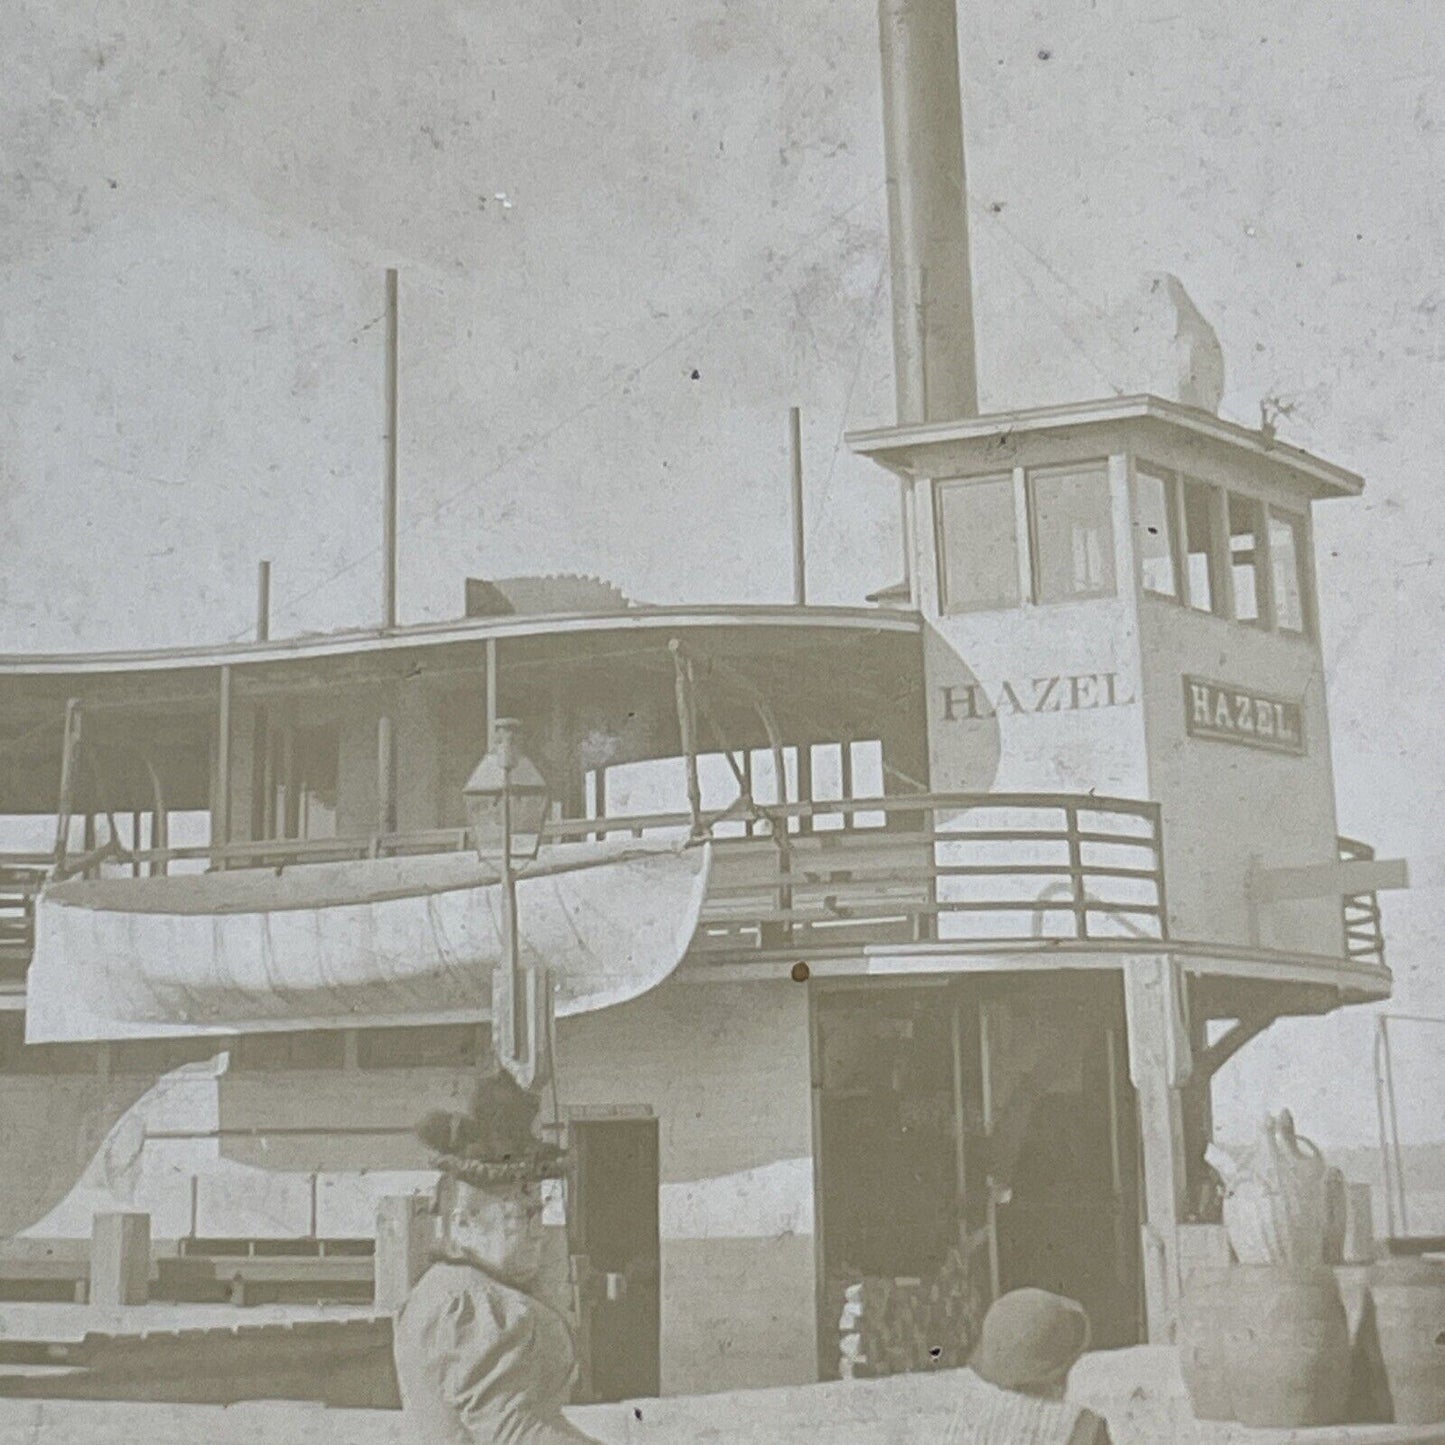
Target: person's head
[[1029, 1342], [492, 1164], [497, 1227]]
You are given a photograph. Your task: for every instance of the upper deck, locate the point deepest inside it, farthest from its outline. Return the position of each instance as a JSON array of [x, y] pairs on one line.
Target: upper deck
[[1081, 577]]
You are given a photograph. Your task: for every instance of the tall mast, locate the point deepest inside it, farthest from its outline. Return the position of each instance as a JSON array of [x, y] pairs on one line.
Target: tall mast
[[389, 500]]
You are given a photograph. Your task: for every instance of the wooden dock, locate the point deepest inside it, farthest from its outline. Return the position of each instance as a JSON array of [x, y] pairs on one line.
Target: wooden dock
[[1138, 1390]]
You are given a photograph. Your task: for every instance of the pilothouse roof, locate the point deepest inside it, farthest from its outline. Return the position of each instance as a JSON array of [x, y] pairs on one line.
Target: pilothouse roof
[[898, 448]]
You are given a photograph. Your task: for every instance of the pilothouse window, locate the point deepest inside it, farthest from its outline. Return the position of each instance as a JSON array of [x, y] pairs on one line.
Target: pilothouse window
[[1222, 551], [1065, 514], [1156, 532], [1201, 507], [1072, 534], [978, 544], [1246, 558], [1287, 561]]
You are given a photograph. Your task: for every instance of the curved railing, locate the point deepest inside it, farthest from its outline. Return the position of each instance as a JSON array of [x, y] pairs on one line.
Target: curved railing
[[1364, 930], [909, 867], [913, 867]]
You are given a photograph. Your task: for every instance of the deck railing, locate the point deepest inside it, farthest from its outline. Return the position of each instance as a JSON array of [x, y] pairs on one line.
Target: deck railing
[[909, 867], [1364, 931], [21, 875], [916, 867]]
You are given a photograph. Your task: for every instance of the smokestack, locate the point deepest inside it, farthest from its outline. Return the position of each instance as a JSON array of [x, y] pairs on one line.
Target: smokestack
[[933, 343]]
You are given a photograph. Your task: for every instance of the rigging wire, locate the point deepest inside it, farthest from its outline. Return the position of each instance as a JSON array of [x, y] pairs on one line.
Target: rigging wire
[[602, 395], [1055, 314], [822, 497]]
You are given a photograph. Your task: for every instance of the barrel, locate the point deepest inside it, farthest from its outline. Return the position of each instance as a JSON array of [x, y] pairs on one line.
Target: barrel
[[1409, 1307], [1288, 1346], [1204, 1323]]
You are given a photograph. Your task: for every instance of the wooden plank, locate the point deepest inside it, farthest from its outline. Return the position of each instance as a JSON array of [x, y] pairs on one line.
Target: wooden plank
[[405, 1233], [21, 1271], [1151, 1006], [1323, 880], [120, 1258], [268, 1269]]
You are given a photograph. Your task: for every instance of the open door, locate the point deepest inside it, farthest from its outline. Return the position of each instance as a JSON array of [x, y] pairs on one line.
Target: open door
[[974, 1134], [613, 1236], [1061, 1145]]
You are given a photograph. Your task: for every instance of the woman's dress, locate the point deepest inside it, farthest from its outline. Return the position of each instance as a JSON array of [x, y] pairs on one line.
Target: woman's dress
[[478, 1361]]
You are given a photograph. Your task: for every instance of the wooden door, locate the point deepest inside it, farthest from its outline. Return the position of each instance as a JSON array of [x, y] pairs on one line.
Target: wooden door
[[614, 1240]]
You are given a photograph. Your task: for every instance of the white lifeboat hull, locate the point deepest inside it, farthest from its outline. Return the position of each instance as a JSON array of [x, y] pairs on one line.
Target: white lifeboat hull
[[370, 943]]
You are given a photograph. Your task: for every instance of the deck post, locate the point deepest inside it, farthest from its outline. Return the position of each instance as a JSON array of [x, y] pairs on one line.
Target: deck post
[[389, 495], [68, 768], [120, 1259], [403, 1241], [386, 814], [263, 601], [1159, 1065], [795, 468], [491, 666], [221, 816]]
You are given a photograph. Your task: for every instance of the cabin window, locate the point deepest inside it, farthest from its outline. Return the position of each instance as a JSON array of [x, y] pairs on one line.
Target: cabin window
[[831, 773], [1246, 558], [1158, 543], [1201, 550], [318, 751], [828, 763], [978, 545], [1287, 563], [189, 831], [1071, 534], [298, 793]]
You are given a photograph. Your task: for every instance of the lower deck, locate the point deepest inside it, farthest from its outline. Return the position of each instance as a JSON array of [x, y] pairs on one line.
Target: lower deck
[[752, 1156]]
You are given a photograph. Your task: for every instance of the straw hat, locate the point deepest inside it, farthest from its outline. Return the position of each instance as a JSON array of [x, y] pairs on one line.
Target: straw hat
[[493, 1142], [1030, 1338]]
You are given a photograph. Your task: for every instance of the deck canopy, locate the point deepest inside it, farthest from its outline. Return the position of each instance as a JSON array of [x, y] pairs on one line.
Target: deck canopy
[[590, 690]]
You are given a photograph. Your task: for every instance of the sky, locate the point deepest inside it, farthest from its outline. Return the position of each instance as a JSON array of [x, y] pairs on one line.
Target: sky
[[629, 237]]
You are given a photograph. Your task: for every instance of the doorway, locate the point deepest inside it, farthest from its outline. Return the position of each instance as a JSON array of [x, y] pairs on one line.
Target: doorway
[[1061, 1132], [976, 1134], [614, 1240]]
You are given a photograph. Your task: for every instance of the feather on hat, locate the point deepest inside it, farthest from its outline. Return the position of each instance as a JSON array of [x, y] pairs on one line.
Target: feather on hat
[[493, 1142]]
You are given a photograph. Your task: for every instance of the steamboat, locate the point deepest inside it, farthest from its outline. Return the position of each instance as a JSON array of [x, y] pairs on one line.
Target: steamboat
[[895, 942]]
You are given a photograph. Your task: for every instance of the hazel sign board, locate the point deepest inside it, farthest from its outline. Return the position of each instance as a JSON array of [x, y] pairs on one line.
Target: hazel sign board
[[1240, 715]]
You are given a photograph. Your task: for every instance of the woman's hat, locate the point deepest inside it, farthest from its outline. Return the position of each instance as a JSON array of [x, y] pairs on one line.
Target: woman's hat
[[493, 1142], [1030, 1338]]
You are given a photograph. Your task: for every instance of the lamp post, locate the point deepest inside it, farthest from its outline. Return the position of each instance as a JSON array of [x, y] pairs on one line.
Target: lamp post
[[506, 807]]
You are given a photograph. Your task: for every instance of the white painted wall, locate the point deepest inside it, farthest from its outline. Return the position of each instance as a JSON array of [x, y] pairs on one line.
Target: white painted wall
[[725, 1068]]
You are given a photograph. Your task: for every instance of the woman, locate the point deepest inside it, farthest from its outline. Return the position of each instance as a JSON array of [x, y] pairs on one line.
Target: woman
[[478, 1357]]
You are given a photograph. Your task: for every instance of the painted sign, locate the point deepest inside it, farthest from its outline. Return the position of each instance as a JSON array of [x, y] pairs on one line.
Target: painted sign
[[1067, 692], [1241, 715]]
